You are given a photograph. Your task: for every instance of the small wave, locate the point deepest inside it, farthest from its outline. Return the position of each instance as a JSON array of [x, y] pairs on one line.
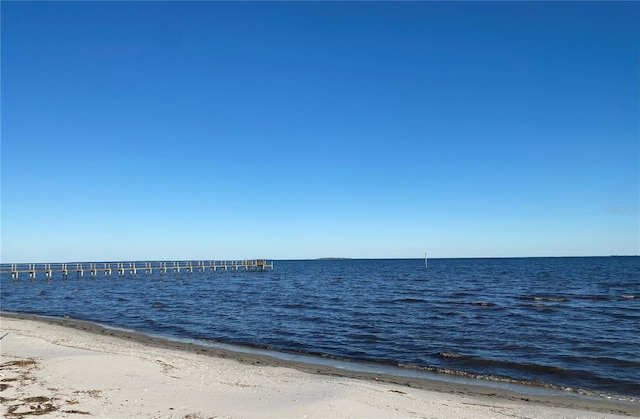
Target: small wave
[[482, 303], [451, 355], [613, 362], [157, 305], [543, 298], [364, 337], [409, 300], [508, 380], [541, 308], [527, 368], [294, 305], [552, 299], [593, 297]]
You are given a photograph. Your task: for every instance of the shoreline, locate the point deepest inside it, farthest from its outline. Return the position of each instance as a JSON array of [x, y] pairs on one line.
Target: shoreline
[[70, 333]]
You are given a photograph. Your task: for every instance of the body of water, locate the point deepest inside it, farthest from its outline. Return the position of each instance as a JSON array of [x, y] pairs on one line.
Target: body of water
[[570, 323]]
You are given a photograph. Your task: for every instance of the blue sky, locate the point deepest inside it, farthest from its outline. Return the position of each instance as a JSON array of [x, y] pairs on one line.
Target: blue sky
[[162, 130]]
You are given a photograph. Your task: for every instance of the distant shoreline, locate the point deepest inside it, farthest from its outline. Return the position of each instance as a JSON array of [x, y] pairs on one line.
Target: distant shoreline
[[7, 265]]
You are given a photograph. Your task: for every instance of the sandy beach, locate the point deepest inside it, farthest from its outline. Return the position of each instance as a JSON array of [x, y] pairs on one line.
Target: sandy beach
[[67, 368]]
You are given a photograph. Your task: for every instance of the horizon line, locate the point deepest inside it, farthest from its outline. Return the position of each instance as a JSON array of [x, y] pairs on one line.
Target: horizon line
[[322, 259]]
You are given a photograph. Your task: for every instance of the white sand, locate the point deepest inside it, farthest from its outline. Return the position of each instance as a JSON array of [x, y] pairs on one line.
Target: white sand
[[78, 372]]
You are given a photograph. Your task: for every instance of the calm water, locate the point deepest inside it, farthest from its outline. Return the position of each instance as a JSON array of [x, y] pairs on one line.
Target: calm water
[[559, 322]]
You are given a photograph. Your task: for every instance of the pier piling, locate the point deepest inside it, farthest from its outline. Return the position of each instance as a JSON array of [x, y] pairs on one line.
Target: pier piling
[[32, 269]]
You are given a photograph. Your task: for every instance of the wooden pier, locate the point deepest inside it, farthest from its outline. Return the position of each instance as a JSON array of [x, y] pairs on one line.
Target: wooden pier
[[121, 269]]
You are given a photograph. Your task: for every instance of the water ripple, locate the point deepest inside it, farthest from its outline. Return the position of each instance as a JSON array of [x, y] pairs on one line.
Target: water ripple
[[567, 322]]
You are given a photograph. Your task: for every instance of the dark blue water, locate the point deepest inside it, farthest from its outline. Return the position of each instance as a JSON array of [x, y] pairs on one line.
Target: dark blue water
[[571, 323]]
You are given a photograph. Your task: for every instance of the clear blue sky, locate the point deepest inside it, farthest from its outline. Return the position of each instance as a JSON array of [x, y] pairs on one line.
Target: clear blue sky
[[162, 130]]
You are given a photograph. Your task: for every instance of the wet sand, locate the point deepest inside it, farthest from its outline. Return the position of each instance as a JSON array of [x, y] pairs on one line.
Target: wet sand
[[68, 368]]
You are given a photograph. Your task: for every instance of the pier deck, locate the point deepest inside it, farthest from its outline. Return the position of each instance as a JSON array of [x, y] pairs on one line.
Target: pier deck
[[131, 268]]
